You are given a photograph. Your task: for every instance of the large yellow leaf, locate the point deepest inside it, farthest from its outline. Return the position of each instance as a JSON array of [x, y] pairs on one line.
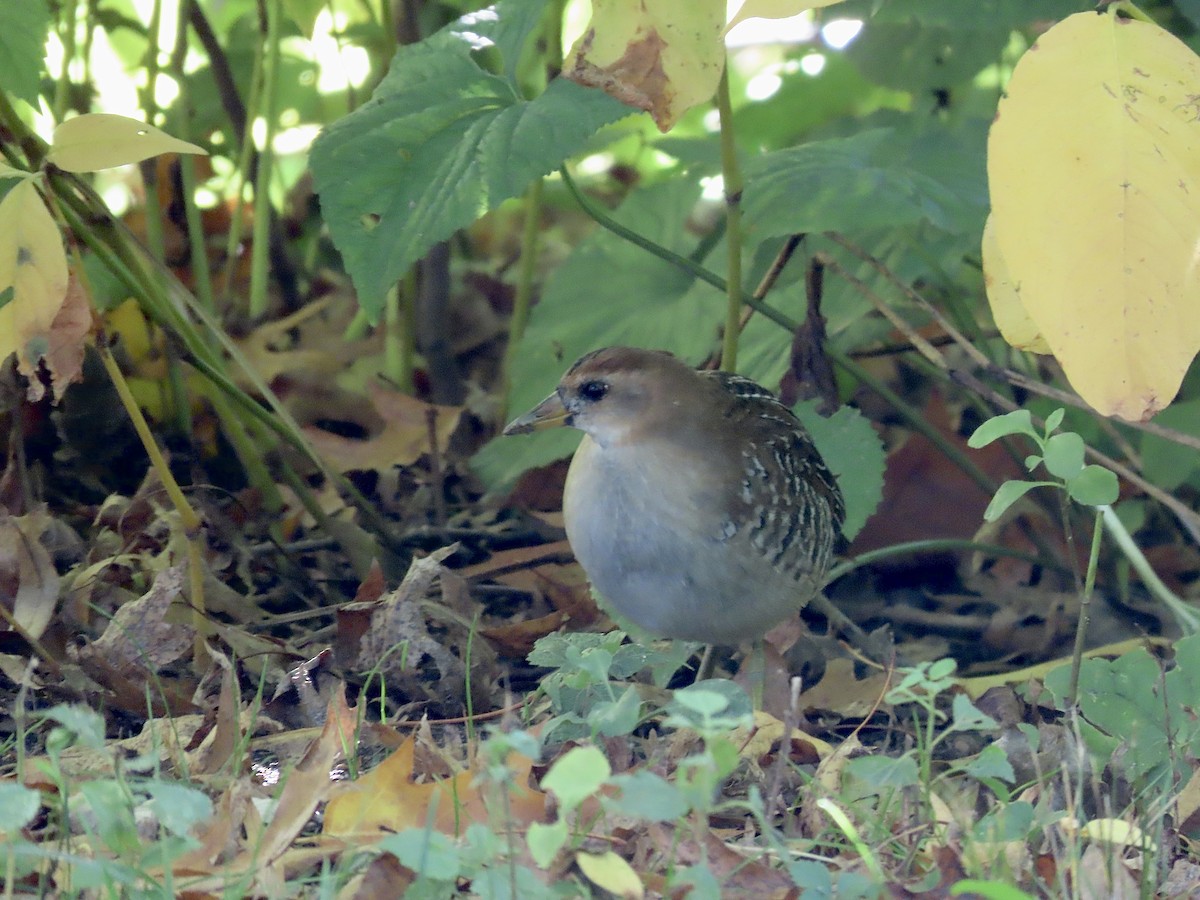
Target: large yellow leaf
[[1094, 172], [664, 57], [102, 140], [1011, 317], [33, 264]]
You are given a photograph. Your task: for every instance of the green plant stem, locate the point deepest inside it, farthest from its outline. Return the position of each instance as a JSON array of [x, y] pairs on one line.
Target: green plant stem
[[1085, 601], [393, 340], [935, 545], [732, 176], [1185, 615], [523, 298], [187, 516], [154, 223], [62, 87], [260, 251], [187, 169]]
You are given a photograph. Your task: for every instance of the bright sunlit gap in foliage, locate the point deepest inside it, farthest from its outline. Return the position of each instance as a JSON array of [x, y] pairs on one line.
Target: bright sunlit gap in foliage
[[712, 187], [763, 85], [840, 32], [792, 30], [340, 66], [813, 64]]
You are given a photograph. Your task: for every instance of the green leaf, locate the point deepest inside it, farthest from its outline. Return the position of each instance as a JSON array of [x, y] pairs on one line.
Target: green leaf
[[852, 450], [848, 184], [646, 796], [178, 807], [441, 142], [1010, 822], [1094, 486], [991, 763], [1008, 494], [546, 840], [23, 27], [1054, 420], [613, 718], [967, 718], [20, 805], [1131, 702], [430, 854], [1166, 463], [577, 775], [874, 773], [1018, 421], [989, 890], [1063, 455]]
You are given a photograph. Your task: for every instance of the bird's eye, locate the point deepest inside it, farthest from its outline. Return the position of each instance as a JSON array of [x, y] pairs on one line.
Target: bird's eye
[[592, 391]]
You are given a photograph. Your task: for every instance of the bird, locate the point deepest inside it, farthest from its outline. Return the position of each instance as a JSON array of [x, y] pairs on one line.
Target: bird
[[696, 503]]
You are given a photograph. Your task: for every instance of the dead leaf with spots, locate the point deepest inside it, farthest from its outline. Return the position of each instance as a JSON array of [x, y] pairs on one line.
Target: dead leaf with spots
[[388, 799], [397, 428], [28, 580], [33, 272], [664, 57], [139, 638]]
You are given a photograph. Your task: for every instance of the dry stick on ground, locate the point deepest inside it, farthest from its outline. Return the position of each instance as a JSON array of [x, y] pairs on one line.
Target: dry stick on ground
[[1186, 517]]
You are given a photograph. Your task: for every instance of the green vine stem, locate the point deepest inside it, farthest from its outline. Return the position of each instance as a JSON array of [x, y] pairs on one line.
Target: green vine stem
[[260, 251], [523, 298], [1185, 615], [732, 175], [1085, 602]]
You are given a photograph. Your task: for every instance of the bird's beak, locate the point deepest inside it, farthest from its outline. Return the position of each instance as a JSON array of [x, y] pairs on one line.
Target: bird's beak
[[547, 414]]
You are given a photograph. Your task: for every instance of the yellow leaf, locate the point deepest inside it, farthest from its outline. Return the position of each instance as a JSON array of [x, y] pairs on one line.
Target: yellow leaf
[[775, 9], [33, 264], [1094, 172], [611, 873], [1011, 318], [663, 57], [102, 140]]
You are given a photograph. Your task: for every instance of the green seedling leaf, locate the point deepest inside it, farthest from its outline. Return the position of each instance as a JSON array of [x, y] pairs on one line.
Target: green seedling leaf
[[710, 705], [967, 718], [1033, 461], [613, 718], [1008, 494], [441, 142], [20, 805], [576, 776], [871, 774], [428, 853], [97, 141], [1094, 486], [1054, 420], [1063, 455], [646, 796], [991, 763], [546, 840], [178, 807], [1018, 421], [86, 726], [1010, 822]]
